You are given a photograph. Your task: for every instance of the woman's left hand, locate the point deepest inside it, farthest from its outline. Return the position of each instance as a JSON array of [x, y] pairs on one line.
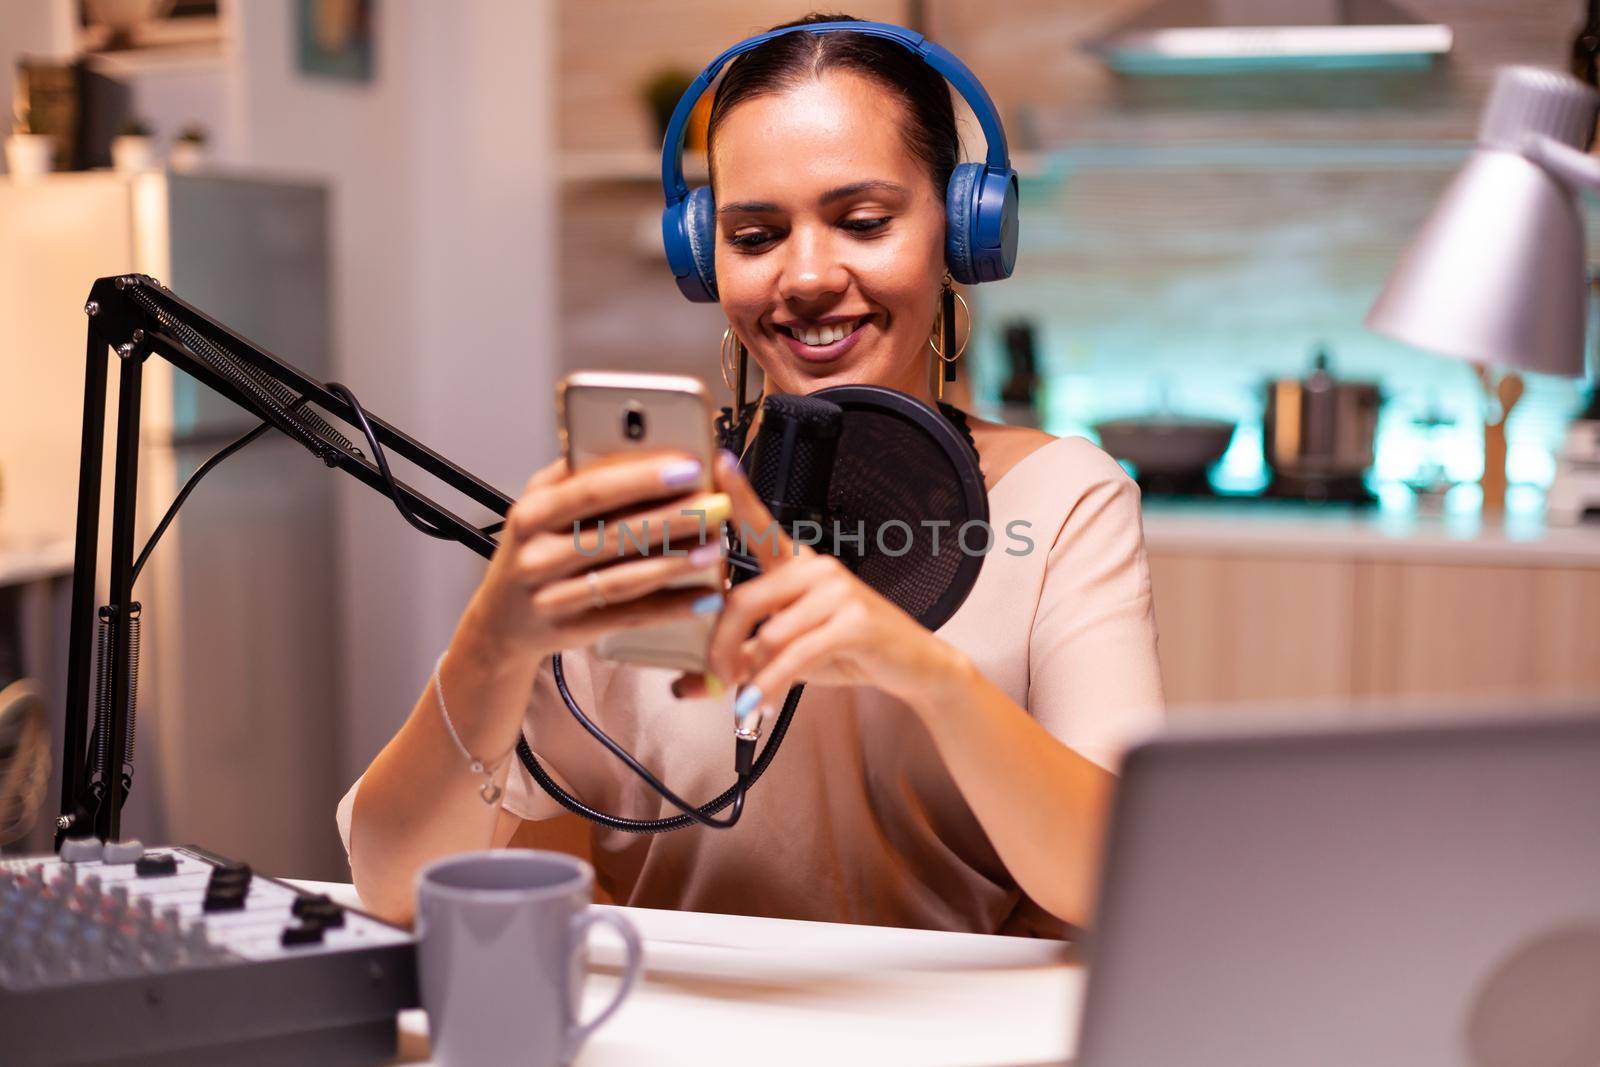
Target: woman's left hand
[[818, 622]]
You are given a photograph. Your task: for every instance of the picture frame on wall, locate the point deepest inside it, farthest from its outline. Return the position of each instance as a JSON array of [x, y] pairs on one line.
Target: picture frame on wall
[[334, 39]]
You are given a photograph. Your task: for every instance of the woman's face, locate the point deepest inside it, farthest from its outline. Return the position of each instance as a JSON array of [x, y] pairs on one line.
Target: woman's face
[[830, 237]]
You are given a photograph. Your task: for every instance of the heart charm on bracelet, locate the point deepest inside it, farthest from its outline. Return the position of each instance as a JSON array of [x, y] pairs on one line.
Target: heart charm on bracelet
[[490, 793]]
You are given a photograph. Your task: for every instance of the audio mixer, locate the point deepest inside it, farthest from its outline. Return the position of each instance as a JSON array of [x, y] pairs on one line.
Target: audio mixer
[[117, 953]]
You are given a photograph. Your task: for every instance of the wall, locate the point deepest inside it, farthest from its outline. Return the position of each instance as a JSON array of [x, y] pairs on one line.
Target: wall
[[1189, 238], [1184, 238], [444, 313]]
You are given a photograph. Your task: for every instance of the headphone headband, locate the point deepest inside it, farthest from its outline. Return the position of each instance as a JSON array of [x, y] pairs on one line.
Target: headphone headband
[[939, 58]]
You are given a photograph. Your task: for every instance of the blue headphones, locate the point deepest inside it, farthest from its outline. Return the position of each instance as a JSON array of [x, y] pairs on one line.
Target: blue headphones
[[980, 205]]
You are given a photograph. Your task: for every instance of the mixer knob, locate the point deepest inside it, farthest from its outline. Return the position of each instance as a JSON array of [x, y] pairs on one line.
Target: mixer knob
[[319, 911], [156, 864], [230, 875], [160, 942], [125, 955], [52, 952], [17, 962], [64, 921], [227, 887], [196, 945], [225, 899], [309, 933], [92, 952]]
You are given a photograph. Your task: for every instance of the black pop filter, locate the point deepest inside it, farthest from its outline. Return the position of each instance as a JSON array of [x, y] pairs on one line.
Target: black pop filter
[[911, 481]]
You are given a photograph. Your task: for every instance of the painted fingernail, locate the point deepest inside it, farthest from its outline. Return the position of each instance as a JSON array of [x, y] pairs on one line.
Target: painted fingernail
[[715, 508], [708, 604], [705, 555], [749, 700], [682, 474], [728, 460], [714, 684]]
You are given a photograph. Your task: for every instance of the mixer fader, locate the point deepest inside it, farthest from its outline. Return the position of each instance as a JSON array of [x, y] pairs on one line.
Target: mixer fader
[[117, 953]]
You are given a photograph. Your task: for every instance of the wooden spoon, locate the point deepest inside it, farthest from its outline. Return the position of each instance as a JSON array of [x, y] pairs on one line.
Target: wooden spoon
[[1509, 391]]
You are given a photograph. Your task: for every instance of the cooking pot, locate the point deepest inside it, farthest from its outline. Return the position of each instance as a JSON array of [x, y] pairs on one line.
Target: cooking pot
[[1318, 427], [1166, 445]]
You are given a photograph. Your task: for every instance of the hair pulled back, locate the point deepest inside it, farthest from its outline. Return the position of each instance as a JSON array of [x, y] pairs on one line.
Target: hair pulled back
[[929, 129]]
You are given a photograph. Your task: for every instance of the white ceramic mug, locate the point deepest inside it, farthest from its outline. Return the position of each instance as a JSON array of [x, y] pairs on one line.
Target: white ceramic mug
[[502, 955]]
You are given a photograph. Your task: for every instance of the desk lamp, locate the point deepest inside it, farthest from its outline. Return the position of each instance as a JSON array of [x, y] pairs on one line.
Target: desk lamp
[[1496, 275]]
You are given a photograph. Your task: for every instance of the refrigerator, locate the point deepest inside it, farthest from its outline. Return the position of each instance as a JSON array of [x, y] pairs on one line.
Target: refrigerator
[[239, 669]]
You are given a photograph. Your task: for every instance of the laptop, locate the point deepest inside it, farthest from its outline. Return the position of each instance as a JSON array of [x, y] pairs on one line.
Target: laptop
[[1421, 894]]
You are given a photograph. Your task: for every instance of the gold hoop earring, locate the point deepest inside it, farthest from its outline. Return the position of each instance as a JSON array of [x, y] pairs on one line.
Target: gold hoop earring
[[943, 367], [728, 357]]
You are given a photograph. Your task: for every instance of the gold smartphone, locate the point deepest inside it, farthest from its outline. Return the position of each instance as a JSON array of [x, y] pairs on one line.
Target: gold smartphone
[[607, 413]]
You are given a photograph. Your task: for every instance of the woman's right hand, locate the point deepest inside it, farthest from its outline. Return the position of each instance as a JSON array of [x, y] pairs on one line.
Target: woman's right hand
[[537, 597]]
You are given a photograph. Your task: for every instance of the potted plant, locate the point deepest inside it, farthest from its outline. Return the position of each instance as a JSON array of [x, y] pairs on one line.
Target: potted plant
[[133, 149], [189, 150], [661, 93], [30, 153]]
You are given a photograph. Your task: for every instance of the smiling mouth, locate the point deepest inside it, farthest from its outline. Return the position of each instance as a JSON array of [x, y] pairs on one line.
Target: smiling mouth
[[825, 335]]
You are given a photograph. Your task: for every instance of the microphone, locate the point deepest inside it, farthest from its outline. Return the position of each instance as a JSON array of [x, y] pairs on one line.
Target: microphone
[[791, 464], [892, 485]]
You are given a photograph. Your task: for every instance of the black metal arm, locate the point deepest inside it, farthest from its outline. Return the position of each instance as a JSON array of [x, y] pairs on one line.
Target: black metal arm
[[135, 316]]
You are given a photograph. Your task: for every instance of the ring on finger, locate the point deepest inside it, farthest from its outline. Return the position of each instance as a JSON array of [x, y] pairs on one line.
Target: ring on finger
[[597, 599]]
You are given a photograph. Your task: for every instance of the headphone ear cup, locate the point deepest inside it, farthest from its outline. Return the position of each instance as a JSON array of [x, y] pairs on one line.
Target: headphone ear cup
[[700, 226], [960, 206]]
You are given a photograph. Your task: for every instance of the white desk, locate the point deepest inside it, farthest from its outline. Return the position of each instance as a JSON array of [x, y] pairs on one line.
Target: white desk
[[733, 989]]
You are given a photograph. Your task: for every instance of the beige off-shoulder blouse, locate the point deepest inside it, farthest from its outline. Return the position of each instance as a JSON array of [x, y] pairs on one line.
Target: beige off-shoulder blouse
[[857, 819]]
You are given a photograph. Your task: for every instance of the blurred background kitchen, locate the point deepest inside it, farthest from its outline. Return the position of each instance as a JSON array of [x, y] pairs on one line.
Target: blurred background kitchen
[[448, 206]]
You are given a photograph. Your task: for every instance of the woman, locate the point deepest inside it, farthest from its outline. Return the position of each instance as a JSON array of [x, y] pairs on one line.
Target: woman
[[941, 780]]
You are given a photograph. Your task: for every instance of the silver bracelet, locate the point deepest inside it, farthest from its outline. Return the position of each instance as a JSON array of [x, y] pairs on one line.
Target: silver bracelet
[[489, 791]]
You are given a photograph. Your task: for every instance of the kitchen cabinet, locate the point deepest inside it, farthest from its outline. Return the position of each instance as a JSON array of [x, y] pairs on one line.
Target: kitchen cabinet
[[1253, 629], [1425, 630], [1264, 626]]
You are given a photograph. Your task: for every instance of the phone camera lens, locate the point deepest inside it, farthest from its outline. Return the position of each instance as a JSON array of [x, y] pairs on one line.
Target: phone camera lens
[[633, 424]]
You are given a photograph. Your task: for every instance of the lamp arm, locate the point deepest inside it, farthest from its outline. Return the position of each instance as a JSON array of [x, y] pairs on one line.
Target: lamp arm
[[137, 317], [1575, 169]]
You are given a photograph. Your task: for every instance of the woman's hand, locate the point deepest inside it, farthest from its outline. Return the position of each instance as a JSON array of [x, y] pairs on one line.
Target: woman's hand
[[818, 622], [539, 597]]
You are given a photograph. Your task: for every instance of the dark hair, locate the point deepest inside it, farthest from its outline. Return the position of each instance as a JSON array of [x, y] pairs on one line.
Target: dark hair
[[930, 127]]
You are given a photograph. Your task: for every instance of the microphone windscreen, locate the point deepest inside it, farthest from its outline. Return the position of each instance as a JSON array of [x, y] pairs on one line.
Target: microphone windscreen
[[907, 484], [792, 460]]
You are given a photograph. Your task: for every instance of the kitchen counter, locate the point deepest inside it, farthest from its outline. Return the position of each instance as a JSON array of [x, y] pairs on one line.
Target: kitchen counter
[[1290, 528]]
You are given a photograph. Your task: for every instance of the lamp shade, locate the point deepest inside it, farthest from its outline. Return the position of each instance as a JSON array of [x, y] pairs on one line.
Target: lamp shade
[[1497, 273]]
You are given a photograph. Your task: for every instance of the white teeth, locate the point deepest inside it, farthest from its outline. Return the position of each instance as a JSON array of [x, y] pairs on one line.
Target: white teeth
[[816, 336]]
